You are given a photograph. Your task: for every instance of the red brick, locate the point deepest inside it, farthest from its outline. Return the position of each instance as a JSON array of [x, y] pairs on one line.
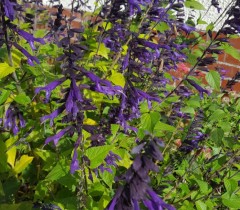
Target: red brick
[[235, 43]]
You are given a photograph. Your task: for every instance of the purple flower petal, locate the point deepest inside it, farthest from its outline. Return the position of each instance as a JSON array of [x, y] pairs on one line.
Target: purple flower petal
[[30, 58], [198, 87], [29, 37], [56, 137], [48, 88], [75, 162], [53, 115], [186, 28], [9, 10]]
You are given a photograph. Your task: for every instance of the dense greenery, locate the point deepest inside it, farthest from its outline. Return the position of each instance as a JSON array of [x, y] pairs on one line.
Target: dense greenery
[[126, 111]]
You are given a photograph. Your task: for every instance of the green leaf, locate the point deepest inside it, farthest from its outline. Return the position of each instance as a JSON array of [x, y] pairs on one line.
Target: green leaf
[[231, 50], [155, 117], [217, 115], [194, 5], [217, 136], [4, 95], [149, 120], [192, 58], [5, 70], [201, 21], [163, 127], [60, 170], [103, 51], [231, 185], [162, 27], [22, 99], [45, 154], [108, 178], [188, 109], [20, 165], [68, 181], [146, 122], [96, 155], [11, 155], [210, 27], [231, 201], [117, 79], [203, 186], [41, 190], [201, 205], [213, 78]]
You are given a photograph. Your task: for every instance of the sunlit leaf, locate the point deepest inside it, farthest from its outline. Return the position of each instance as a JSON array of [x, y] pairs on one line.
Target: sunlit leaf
[[20, 165], [96, 155], [213, 78], [5, 70]]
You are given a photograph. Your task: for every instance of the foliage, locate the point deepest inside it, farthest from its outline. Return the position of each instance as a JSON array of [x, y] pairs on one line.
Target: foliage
[[126, 111]]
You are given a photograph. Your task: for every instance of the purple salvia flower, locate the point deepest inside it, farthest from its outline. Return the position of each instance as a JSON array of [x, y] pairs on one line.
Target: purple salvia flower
[[111, 158], [136, 188], [151, 45], [194, 135], [125, 62], [216, 5], [15, 128], [14, 119], [59, 135], [9, 10], [49, 88], [133, 4], [113, 203], [21, 120], [30, 58], [102, 169], [75, 162], [186, 28], [74, 96], [198, 87], [155, 202], [53, 115], [135, 205], [103, 86], [146, 96], [29, 37]]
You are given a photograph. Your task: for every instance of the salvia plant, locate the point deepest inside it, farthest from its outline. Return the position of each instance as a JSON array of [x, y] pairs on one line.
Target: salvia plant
[[118, 105]]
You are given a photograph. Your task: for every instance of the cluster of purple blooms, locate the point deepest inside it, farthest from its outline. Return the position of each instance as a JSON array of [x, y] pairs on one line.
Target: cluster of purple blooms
[[13, 119], [136, 190], [195, 134]]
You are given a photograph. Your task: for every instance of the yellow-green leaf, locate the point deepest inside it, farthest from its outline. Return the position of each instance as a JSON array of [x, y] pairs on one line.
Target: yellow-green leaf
[[5, 70], [22, 99], [20, 165], [117, 79], [11, 156], [102, 50], [89, 121], [16, 56]]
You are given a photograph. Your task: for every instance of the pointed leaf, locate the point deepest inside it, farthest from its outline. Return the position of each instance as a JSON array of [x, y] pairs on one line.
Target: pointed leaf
[[96, 155], [20, 165], [5, 70], [22, 99], [213, 78], [117, 79]]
